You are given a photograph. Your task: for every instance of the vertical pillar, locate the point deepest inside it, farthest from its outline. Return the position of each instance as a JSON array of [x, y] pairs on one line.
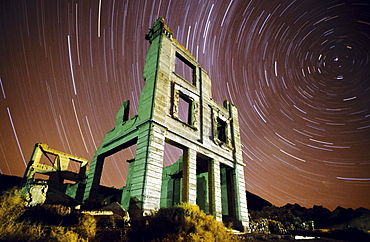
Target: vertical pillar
[[153, 177], [93, 179], [241, 209], [189, 180], [146, 179], [241, 198], [215, 189]]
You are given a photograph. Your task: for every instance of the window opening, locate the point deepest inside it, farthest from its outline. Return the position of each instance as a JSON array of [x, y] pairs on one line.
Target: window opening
[[185, 109], [221, 130], [115, 168], [203, 183], [41, 176], [60, 174], [48, 159], [184, 68], [74, 166]]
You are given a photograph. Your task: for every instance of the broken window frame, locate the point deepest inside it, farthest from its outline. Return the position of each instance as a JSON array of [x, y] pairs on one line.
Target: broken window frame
[[224, 139], [129, 147], [180, 93], [185, 103], [189, 67], [221, 130]]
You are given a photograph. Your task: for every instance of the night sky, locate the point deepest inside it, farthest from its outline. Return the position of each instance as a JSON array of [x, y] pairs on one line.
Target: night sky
[[298, 71]]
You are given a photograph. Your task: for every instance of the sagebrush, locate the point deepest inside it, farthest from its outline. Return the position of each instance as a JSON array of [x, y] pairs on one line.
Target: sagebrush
[[186, 222], [17, 225]]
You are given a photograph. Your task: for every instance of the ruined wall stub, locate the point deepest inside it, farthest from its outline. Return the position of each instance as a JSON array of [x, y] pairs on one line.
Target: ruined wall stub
[[208, 133], [61, 174]]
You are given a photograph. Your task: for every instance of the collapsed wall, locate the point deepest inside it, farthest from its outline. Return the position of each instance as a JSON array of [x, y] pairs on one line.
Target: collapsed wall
[[52, 174]]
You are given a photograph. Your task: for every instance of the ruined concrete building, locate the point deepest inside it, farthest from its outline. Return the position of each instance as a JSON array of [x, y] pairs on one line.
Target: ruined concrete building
[[58, 174], [177, 109]]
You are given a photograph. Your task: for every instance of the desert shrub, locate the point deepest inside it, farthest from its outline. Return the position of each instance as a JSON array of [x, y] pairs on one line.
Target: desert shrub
[[50, 214], [38, 223], [56, 209], [12, 226], [29, 232], [11, 208], [86, 227], [24, 231], [276, 227], [186, 222], [63, 234], [11, 205]]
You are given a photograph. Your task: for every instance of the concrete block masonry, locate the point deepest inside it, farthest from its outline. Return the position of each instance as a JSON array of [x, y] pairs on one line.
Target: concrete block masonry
[[176, 110]]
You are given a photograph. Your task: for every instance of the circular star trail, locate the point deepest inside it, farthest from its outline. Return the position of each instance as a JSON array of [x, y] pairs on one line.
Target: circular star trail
[[298, 71]]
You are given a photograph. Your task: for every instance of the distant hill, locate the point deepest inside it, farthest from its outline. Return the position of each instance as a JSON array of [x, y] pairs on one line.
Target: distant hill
[[7, 182], [340, 218], [255, 202]]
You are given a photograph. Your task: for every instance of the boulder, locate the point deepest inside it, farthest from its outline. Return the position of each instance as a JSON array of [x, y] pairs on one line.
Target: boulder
[[117, 209]]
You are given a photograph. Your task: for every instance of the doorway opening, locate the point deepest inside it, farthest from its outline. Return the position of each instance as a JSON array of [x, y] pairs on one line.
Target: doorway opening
[[172, 173], [115, 170], [204, 190], [227, 193]]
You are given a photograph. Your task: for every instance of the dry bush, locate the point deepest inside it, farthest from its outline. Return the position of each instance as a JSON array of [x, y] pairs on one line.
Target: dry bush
[[11, 208], [86, 226], [186, 222], [63, 234], [56, 209], [29, 232], [15, 226], [11, 205], [85, 230], [12, 226]]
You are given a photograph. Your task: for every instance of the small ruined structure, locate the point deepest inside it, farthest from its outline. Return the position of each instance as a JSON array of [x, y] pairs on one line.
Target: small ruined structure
[[176, 109], [57, 175]]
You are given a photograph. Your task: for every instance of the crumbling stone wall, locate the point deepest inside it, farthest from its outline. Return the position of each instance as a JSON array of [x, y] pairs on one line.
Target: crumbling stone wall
[[55, 173], [207, 134]]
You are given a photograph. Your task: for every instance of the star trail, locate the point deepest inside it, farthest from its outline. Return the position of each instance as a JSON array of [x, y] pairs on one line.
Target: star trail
[[298, 71]]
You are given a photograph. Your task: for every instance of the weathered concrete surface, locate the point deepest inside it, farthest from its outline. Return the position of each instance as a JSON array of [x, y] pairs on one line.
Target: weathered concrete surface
[[36, 194], [177, 108], [58, 176]]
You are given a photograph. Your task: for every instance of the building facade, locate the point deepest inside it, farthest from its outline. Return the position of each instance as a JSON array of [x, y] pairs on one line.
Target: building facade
[[176, 110]]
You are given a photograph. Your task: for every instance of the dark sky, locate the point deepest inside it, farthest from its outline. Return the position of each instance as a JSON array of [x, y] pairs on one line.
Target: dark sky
[[298, 71]]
